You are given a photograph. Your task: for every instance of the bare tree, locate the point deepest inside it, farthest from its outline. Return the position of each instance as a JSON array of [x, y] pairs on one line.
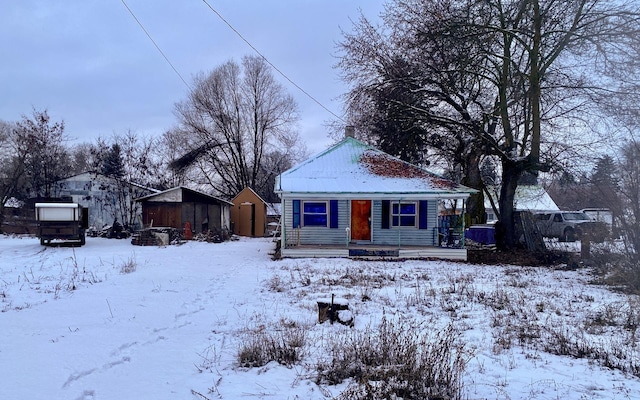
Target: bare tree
[[127, 170], [46, 160], [627, 209], [12, 165], [171, 146], [409, 93], [81, 158], [514, 80], [234, 118]]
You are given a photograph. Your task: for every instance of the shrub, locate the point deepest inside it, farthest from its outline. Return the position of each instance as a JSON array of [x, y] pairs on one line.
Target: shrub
[[284, 345], [128, 266], [396, 361]]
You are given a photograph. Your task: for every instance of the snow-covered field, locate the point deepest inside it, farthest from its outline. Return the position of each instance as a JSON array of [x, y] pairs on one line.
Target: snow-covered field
[[114, 321]]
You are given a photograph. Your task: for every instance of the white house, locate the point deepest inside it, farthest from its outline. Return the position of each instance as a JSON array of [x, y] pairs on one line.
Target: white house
[[354, 200], [96, 191]]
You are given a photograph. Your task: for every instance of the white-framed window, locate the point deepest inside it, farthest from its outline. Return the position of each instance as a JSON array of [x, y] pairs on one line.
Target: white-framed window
[[315, 213], [404, 214]]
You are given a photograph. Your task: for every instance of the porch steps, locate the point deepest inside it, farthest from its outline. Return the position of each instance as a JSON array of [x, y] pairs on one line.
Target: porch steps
[[416, 253], [373, 253]]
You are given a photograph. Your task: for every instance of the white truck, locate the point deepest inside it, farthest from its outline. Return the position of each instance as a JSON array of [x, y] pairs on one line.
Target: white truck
[[64, 222], [569, 226]]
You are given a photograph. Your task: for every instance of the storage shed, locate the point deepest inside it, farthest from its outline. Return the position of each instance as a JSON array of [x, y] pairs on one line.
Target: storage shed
[[249, 214], [178, 206]]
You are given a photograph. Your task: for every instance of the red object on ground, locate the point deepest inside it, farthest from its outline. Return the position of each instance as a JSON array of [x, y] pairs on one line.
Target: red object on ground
[[188, 233]]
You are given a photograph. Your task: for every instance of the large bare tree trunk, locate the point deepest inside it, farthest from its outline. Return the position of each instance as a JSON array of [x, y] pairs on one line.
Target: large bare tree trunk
[[506, 235], [473, 179]]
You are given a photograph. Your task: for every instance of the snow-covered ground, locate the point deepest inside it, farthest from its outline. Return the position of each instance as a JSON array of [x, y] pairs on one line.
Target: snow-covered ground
[[114, 321]]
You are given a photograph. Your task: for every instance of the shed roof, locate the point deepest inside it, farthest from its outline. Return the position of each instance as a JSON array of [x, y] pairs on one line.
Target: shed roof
[[353, 167], [177, 194], [250, 190], [527, 197], [91, 175]]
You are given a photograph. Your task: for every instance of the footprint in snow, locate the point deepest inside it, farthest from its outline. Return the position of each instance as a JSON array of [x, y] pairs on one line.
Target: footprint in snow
[[87, 395]]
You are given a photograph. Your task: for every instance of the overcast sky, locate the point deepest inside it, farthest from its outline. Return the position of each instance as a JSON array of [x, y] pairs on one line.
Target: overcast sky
[[89, 63]]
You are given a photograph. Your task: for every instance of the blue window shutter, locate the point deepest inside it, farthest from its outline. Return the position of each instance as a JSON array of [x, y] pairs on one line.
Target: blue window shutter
[[385, 213], [333, 214], [296, 213], [422, 217]]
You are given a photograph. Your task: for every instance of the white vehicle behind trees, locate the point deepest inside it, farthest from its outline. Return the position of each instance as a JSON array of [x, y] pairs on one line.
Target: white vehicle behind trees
[[570, 226]]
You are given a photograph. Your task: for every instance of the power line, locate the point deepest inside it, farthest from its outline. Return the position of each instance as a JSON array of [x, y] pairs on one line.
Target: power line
[[157, 47], [241, 37], [270, 63]]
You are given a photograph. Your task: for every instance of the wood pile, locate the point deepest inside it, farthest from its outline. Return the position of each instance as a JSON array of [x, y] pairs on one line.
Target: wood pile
[[156, 237]]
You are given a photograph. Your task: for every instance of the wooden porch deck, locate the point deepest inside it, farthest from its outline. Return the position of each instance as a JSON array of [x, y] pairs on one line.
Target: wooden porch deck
[[375, 252]]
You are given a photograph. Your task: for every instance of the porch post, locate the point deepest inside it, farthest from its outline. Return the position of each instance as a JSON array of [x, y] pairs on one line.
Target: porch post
[[348, 229], [464, 207], [399, 230], [283, 224]]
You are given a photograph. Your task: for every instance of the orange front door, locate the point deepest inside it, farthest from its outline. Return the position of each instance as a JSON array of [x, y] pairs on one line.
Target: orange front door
[[360, 219]]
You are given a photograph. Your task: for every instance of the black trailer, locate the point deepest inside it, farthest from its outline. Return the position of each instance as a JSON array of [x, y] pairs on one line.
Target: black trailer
[[65, 222]]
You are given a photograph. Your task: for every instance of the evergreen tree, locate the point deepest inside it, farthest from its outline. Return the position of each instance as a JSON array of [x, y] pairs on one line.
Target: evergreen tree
[[604, 184], [113, 164]]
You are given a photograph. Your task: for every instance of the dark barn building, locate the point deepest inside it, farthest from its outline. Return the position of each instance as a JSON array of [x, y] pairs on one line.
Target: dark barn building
[[176, 207]]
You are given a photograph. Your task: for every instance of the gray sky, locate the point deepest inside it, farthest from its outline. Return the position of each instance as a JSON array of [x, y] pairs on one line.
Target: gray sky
[[88, 61]]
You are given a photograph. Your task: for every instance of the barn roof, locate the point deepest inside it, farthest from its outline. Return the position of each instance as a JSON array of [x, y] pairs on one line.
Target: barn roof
[[353, 167], [178, 194], [91, 175]]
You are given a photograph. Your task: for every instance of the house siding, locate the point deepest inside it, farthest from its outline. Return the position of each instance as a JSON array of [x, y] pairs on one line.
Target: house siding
[[337, 236], [405, 236], [88, 190], [316, 235]]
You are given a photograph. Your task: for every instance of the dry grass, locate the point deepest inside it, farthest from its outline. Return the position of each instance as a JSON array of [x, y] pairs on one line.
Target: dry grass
[[424, 356], [398, 359], [284, 343]]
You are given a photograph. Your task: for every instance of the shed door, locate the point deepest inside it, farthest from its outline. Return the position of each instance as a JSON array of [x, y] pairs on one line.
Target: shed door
[[247, 219], [360, 219], [167, 215]]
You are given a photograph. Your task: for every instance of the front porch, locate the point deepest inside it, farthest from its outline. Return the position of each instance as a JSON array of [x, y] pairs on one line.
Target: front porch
[[374, 252]]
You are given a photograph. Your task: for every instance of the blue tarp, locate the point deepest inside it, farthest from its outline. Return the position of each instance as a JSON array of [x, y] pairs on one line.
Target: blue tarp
[[484, 234]]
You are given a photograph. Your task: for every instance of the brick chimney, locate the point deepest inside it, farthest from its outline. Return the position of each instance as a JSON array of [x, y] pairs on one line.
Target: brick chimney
[[349, 131]]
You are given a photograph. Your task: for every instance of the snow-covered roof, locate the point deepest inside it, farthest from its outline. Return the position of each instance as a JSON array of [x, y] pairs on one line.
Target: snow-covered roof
[[527, 197], [12, 202], [248, 188], [91, 175], [353, 167], [274, 208], [175, 194]]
